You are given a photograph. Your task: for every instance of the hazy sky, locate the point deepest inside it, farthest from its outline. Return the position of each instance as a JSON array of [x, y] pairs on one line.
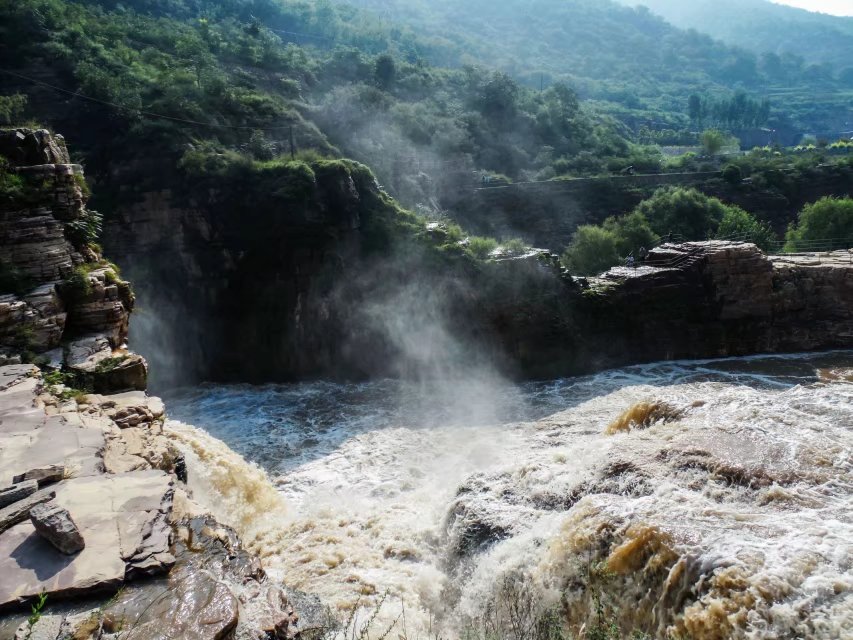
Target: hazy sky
[[836, 7]]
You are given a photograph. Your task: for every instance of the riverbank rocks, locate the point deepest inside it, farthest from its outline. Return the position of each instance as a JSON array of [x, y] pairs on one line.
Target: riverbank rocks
[[54, 524], [123, 520], [122, 517]]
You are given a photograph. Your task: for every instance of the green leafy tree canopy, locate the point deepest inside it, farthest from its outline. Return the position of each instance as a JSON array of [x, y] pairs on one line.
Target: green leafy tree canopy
[[827, 223]]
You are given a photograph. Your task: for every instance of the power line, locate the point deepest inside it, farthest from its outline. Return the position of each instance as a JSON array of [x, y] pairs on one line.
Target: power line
[[302, 35], [142, 112]]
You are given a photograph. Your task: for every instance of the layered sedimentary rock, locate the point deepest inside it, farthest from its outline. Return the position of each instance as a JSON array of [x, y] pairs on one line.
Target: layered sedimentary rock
[[295, 292], [717, 299], [57, 288]]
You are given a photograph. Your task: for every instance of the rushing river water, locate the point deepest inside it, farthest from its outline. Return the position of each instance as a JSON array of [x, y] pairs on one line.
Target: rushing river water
[[719, 506]]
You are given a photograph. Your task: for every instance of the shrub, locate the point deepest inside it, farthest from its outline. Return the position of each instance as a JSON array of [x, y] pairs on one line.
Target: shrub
[[77, 286], [741, 225], [86, 229], [515, 246], [12, 108], [825, 224], [592, 251], [732, 174], [685, 212], [632, 232], [482, 247]]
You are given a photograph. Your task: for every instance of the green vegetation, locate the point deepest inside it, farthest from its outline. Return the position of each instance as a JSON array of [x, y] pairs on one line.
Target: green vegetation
[[482, 248], [514, 246], [85, 230], [37, 610], [631, 63], [742, 226], [713, 141], [595, 249], [798, 39], [78, 286], [687, 213], [826, 224], [109, 364], [12, 108]]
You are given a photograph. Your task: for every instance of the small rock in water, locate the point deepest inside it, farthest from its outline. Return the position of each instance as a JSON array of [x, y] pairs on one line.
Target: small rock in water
[[18, 491], [43, 475], [54, 524]]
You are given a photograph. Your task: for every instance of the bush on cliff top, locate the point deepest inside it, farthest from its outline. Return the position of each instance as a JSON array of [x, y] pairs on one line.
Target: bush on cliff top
[[595, 249], [741, 225], [684, 212], [826, 224]]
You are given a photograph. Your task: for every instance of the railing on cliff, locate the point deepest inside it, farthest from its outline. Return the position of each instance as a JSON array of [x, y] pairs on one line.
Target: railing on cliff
[[817, 249]]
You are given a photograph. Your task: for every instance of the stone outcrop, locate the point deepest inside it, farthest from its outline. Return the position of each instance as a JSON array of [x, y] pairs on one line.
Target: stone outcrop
[[26, 147], [19, 511], [121, 514], [58, 290], [17, 491], [87, 504]]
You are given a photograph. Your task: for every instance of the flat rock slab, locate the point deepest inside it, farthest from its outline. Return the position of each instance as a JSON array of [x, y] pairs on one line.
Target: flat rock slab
[[42, 475], [19, 511], [18, 412], [18, 491], [59, 441], [123, 519]]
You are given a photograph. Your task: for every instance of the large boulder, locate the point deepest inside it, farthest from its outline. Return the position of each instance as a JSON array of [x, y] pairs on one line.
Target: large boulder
[[54, 524], [25, 147]]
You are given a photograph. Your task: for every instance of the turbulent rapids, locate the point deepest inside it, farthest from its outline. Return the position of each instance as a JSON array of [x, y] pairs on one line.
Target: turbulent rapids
[[694, 499]]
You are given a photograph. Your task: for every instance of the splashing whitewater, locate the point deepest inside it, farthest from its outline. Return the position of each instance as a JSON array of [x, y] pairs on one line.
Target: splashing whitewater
[[721, 509]]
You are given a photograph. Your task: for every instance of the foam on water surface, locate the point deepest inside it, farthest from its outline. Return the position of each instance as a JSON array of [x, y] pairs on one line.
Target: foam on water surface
[[727, 515]]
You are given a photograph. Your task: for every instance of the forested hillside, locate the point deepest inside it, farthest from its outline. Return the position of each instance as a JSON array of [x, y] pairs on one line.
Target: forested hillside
[[410, 89], [219, 75], [768, 28], [630, 61]]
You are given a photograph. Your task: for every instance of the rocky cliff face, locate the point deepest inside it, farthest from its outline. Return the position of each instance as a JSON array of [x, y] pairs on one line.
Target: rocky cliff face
[[93, 500], [715, 299], [289, 289], [61, 302]]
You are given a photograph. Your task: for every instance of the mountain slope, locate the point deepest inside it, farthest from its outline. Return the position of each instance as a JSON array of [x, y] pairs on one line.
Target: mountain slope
[[639, 67], [763, 26]]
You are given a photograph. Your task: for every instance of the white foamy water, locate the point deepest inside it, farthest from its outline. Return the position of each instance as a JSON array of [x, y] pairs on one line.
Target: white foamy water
[[730, 516]]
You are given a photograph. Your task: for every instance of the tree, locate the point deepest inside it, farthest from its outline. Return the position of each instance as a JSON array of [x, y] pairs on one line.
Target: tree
[[499, 97], [385, 71], [632, 232], [592, 251], [696, 110], [825, 224], [713, 141], [12, 107], [741, 225], [686, 212]]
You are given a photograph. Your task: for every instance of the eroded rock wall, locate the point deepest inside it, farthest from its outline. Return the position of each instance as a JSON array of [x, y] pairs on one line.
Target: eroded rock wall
[[60, 297]]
